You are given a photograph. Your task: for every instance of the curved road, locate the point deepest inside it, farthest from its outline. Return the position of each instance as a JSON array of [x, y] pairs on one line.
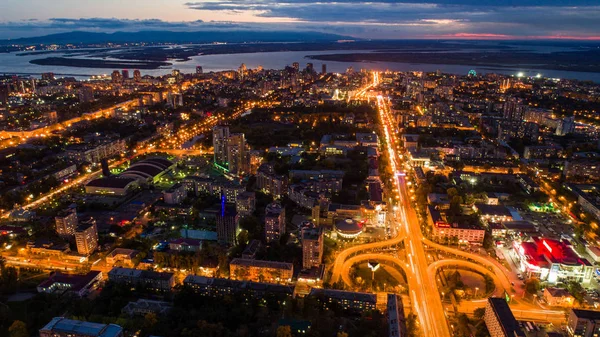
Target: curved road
[[433, 268], [342, 257], [499, 270]]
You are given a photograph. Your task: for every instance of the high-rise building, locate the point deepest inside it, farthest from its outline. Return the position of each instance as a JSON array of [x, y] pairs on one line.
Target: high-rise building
[[62, 327], [220, 137], [274, 222], [66, 222], [125, 74], [242, 72], [296, 66], [238, 156], [48, 76], [245, 203], [269, 182], [199, 70], [323, 68], [310, 68], [227, 223], [86, 237], [513, 110], [86, 94], [566, 126], [3, 94], [116, 77], [137, 75], [312, 247], [396, 317], [500, 320], [583, 323]]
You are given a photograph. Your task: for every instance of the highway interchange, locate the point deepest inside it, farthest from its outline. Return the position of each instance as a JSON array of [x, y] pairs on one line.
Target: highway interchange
[[420, 273]]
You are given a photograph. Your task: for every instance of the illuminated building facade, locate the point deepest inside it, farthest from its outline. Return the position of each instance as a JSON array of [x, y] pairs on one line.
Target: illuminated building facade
[[261, 271], [66, 223], [274, 222], [553, 261]]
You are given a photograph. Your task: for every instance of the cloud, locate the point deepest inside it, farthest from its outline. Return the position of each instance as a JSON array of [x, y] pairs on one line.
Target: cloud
[[477, 19], [418, 18], [32, 27]]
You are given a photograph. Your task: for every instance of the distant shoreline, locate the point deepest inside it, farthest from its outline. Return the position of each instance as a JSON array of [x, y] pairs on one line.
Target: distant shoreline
[[92, 63], [585, 61]]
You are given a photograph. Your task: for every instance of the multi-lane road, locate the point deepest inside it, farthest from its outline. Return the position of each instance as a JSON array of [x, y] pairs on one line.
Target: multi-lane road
[[422, 286], [421, 275]]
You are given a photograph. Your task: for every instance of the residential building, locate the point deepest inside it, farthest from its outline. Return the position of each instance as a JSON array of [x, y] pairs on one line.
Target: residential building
[[588, 196], [395, 316], [312, 247], [66, 222], [227, 224], [261, 271], [274, 222], [251, 249], [500, 320], [245, 203], [217, 287], [145, 278], [220, 137], [583, 323], [582, 170], [269, 182], [238, 156], [558, 297], [142, 307], [175, 194], [348, 300], [86, 237], [63, 327]]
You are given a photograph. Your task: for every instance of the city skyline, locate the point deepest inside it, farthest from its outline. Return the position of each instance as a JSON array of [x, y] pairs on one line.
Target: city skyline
[[411, 19]]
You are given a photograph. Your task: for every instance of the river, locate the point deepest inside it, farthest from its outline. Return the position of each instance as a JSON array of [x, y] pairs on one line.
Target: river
[[11, 63]]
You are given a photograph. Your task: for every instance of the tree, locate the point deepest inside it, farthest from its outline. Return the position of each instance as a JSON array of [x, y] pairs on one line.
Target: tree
[[150, 320], [18, 329], [532, 285], [479, 313], [284, 331], [576, 290], [452, 192]]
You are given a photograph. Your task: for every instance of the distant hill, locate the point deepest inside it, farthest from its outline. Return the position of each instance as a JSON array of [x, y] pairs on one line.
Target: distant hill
[[238, 36]]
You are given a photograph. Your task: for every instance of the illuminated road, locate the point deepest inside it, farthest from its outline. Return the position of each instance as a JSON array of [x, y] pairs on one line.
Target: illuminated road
[[372, 257], [422, 286], [423, 290], [47, 130], [503, 274]]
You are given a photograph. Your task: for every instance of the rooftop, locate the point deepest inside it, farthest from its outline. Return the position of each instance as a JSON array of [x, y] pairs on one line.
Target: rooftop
[[345, 295], [505, 317], [70, 326], [110, 182], [262, 264]]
